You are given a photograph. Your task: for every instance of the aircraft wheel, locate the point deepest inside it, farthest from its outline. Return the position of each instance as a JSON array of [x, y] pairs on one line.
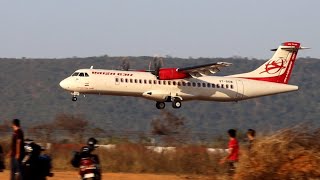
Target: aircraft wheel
[[160, 105], [176, 103], [74, 98]]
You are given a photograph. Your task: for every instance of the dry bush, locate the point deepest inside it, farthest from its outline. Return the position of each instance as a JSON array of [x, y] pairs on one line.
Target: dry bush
[[171, 128], [62, 154], [288, 154], [138, 159], [196, 160], [132, 158]]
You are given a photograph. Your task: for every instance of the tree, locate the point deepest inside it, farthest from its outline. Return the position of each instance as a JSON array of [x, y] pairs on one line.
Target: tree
[[43, 132], [75, 125], [171, 127]]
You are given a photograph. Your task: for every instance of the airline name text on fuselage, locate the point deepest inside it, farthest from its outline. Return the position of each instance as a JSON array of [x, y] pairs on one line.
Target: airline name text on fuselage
[[112, 73]]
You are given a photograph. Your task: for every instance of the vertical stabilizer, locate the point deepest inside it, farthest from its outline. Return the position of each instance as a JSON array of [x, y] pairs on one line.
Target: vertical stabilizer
[[278, 69]]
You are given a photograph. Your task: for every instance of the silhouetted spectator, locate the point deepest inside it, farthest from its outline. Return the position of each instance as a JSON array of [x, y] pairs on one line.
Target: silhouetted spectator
[[2, 167], [17, 151], [251, 135]]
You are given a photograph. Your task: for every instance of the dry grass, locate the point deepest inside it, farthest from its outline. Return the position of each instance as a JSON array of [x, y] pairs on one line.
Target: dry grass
[[288, 154], [136, 158]]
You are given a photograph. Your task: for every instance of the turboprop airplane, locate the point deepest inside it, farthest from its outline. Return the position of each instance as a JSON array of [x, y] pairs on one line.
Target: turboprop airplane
[[190, 83]]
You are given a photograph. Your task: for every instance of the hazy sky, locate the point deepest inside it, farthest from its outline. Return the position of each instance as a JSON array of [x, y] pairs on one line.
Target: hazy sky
[[180, 28]]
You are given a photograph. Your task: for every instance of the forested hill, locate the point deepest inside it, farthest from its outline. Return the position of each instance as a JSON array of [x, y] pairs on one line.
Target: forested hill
[[30, 91]]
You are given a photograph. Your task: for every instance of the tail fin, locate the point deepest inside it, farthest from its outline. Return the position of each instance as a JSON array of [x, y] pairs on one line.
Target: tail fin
[[278, 69]]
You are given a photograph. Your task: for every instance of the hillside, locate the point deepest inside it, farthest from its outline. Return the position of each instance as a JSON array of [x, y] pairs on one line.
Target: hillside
[[30, 91]]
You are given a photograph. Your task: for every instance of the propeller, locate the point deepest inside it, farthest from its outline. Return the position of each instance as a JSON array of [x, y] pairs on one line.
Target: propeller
[[157, 64]]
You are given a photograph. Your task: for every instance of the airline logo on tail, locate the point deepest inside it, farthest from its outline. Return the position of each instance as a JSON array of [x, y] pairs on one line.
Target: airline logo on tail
[[275, 66], [278, 69]]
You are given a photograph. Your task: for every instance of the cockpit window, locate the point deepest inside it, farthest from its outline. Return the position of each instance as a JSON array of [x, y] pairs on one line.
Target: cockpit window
[[86, 74], [75, 74], [81, 74]]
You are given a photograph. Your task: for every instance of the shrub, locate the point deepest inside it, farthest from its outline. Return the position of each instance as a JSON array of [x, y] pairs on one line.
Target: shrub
[[288, 154]]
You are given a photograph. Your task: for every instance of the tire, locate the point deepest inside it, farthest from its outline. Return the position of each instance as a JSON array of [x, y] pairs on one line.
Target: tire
[[176, 103], [160, 105], [74, 98]]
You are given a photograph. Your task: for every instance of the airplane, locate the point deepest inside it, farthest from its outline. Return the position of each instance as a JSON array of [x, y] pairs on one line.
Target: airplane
[[176, 85]]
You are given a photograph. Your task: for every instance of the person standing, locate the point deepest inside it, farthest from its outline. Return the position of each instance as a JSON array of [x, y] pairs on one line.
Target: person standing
[[2, 167], [233, 152], [17, 151], [250, 134]]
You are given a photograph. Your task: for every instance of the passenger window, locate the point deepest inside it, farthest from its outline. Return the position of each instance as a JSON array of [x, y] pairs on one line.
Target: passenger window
[[164, 82], [169, 82], [81, 74], [183, 83], [194, 84], [117, 79], [218, 86], [188, 83], [203, 84], [159, 82], [208, 85], [199, 84], [121, 80], [231, 86], [174, 83], [222, 86], [154, 82], [213, 85], [179, 83], [227, 86], [140, 81], [126, 80], [150, 81], [131, 81], [145, 81], [75, 74], [135, 81]]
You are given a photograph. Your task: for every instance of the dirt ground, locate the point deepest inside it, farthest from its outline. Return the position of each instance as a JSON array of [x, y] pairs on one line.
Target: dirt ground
[[72, 175]]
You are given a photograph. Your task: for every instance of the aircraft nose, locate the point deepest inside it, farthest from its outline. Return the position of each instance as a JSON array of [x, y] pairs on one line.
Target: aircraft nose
[[64, 84]]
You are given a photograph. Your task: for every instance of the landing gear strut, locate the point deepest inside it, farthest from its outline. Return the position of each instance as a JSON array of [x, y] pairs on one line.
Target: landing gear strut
[[160, 105]]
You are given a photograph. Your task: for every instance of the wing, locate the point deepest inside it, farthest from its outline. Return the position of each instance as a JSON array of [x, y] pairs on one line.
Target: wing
[[204, 70]]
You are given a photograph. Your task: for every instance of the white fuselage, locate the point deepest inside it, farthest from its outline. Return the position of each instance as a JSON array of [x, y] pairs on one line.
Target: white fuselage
[[145, 84]]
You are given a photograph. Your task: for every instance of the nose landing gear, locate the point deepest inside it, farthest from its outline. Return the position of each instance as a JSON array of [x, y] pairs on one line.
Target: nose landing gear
[[74, 96]]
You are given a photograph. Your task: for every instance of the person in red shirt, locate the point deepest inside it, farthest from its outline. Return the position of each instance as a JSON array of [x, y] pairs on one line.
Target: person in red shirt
[[233, 151]]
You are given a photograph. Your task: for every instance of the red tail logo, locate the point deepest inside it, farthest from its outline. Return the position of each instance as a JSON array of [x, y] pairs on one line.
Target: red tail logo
[[275, 66]]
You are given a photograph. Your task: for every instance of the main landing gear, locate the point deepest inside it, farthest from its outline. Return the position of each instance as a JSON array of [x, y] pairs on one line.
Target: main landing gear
[[160, 105], [176, 103]]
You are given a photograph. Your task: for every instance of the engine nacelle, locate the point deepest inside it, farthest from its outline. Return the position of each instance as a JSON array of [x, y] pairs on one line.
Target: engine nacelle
[[171, 73]]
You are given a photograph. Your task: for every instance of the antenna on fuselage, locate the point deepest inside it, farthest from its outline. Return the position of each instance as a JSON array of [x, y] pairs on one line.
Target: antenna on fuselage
[[91, 67]]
